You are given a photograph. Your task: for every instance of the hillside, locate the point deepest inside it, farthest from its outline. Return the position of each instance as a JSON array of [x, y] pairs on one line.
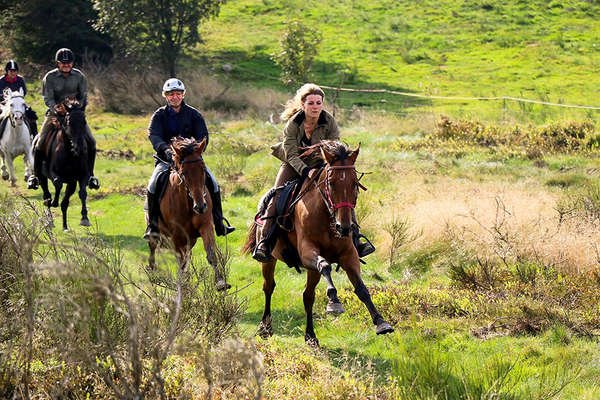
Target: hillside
[[540, 50]]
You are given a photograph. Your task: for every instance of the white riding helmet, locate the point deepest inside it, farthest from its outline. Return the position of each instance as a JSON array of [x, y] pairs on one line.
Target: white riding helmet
[[173, 84]]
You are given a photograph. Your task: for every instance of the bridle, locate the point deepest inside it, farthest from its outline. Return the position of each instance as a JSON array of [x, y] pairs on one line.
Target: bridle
[[326, 192], [181, 175], [12, 114]]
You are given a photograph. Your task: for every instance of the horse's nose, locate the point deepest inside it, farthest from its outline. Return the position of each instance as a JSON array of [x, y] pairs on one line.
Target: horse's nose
[[200, 208], [343, 230]]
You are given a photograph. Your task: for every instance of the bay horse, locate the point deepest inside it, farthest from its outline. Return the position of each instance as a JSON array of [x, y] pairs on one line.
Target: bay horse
[[66, 162], [322, 218], [186, 208], [14, 138]]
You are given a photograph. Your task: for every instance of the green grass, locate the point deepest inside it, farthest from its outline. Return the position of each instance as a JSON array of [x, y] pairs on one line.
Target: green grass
[[538, 50]]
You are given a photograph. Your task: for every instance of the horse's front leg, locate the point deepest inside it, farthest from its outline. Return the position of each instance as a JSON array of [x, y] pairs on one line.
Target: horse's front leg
[[208, 240], [316, 264], [3, 165], [58, 184], [28, 159], [64, 204], [11, 170], [351, 264], [83, 197], [311, 259]]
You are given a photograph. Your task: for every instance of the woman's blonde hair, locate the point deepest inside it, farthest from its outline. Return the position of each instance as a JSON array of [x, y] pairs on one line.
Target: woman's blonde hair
[[294, 105]]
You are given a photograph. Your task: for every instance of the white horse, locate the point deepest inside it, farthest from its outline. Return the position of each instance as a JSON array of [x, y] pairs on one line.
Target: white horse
[[14, 138]]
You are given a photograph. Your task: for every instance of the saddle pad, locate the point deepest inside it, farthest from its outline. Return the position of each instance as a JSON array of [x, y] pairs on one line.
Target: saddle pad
[[3, 126]]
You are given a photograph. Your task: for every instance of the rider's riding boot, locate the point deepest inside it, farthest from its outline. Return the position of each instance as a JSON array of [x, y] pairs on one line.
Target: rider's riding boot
[[264, 247], [363, 247], [38, 158], [217, 211], [94, 182], [152, 231]]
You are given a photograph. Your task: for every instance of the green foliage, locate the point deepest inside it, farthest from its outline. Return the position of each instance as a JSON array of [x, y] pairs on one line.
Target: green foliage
[[36, 29], [145, 29], [298, 51]]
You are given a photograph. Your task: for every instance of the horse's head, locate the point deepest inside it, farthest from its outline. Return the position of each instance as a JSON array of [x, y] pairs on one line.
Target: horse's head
[[191, 169], [15, 106], [340, 183], [75, 129]]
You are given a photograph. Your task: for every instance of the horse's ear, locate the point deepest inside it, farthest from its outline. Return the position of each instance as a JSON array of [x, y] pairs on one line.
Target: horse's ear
[[21, 91], [327, 156], [202, 145], [354, 154]]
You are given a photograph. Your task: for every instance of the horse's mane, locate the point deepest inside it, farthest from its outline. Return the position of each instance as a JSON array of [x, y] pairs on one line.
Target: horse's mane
[[184, 146], [76, 119], [337, 149], [5, 110]]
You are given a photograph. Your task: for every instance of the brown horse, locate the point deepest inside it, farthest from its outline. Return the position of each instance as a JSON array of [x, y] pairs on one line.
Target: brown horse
[[186, 207], [323, 219]]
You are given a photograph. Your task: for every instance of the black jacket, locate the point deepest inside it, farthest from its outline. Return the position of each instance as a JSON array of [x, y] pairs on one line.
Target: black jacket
[[190, 125], [19, 83]]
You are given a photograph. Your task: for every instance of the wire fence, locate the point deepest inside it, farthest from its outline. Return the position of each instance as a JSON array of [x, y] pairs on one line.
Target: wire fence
[[435, 97]]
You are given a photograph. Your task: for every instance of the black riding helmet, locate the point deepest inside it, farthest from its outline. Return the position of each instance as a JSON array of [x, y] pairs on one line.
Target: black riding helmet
[[11, 65], [64, 55]]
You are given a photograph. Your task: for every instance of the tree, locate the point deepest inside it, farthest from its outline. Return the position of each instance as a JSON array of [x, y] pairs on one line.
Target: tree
[[35, 29], [298, 50], [150, 28]]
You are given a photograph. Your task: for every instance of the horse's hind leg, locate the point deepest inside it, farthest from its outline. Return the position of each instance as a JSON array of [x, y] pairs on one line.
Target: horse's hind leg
[[312, 279], [83, 197], [351, 265], [28, 159], [64, 204], [265, 329]]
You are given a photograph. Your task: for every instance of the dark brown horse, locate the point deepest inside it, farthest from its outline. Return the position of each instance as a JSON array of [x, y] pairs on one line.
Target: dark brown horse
[[323, 219], [67, 163], [186, 207]]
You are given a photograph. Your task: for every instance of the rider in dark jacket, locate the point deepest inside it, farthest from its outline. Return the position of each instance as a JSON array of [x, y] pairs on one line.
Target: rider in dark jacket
[[14, 82], [172, 120]]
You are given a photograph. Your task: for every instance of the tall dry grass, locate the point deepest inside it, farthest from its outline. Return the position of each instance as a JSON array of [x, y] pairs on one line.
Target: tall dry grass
[[492, 220], [122, 89]]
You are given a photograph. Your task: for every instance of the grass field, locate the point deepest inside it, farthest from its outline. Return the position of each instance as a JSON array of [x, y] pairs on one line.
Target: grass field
[[487, 237]]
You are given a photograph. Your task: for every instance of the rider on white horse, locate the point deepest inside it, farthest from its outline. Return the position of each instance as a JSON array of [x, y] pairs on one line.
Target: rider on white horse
[[14, 82], [59, 83], [14, 135]]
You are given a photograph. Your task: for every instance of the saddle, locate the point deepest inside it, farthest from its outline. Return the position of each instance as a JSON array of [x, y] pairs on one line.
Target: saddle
[[284, 206]]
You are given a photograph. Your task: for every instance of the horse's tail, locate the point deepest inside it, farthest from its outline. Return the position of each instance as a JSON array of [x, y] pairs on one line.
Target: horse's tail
[[250, 240]]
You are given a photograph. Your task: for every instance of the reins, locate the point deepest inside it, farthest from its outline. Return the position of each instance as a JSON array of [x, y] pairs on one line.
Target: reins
[[181, 175]]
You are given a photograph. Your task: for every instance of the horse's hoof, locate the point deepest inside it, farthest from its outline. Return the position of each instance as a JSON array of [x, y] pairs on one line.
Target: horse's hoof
[[335, 308], [54, 204], [5, 177], [265, 328], [384, 328], [65, 229], [312, 341], [222, 285], [84, 222]]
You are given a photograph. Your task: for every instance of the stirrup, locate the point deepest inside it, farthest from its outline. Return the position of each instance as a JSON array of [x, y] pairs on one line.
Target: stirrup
[[260, 254], [33, 182], [364, 248], [224, 230], [94, 183], [151, 234]]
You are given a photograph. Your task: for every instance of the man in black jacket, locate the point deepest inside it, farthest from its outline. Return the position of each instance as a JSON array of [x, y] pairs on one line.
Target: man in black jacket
[[177, 119]]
